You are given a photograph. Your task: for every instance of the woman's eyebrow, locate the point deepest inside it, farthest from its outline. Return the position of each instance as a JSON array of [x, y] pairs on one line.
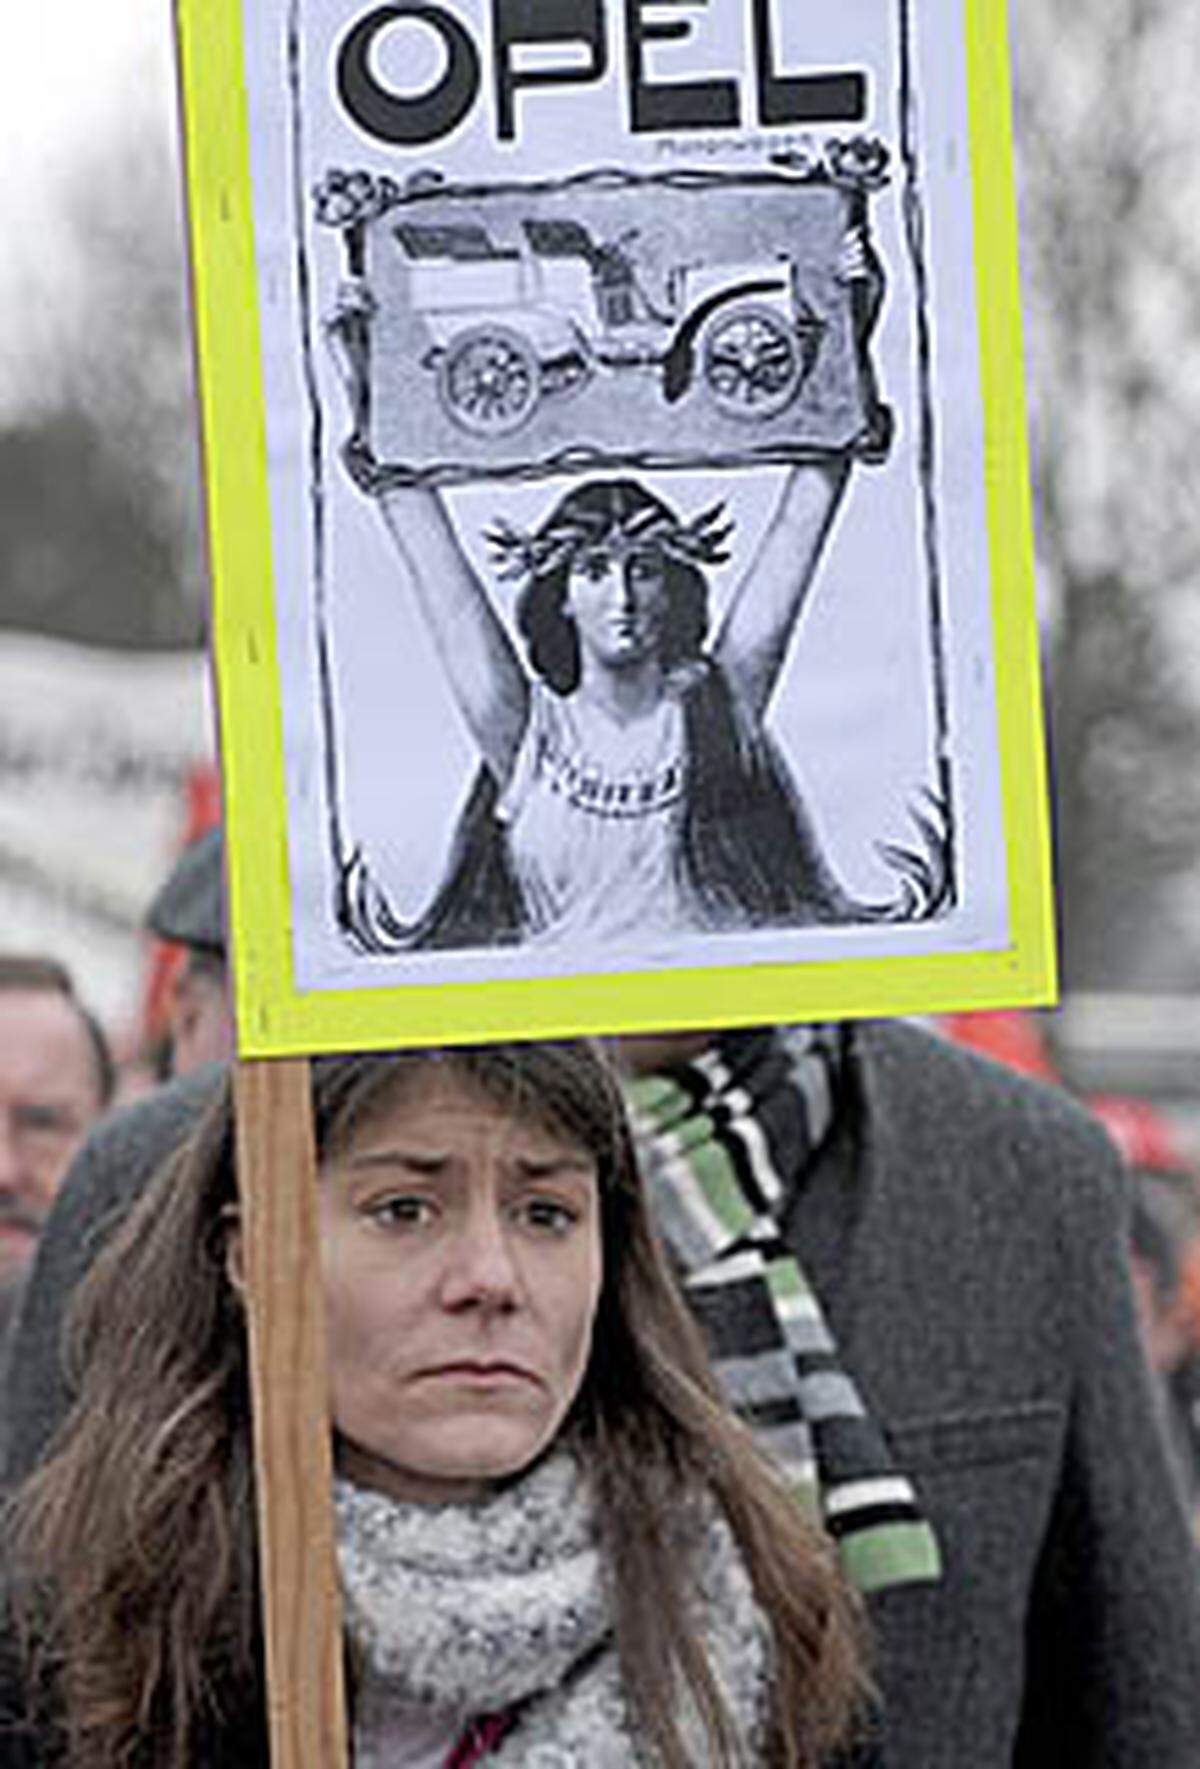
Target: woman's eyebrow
[[436, 1160], [566, 1163], [426, 1160]]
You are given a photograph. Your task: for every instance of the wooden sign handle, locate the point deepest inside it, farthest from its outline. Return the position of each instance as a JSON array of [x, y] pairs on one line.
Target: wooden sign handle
[[292, 1439]]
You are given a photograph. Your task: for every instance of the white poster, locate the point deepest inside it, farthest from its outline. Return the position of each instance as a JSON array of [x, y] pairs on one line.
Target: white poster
[[625, 450]]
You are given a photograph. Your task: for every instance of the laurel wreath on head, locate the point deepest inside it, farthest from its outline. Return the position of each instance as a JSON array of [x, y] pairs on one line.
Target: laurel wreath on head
[[517, 553]]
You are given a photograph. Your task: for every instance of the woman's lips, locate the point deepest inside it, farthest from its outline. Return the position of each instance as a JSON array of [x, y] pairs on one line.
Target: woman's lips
[[22, 1227], [483, 1373]]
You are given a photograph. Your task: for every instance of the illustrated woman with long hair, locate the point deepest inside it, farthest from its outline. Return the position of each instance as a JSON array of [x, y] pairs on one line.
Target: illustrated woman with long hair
[[556, 1544], [628, 786]]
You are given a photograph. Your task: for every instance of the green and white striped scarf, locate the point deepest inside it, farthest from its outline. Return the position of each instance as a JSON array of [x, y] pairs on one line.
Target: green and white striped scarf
[[724, 1142]]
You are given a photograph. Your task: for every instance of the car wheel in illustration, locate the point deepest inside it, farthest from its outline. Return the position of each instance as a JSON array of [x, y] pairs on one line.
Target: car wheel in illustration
[[487, 380], [750, 360]]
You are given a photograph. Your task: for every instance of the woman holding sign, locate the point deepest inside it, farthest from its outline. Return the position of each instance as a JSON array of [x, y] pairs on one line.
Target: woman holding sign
[[556, 1545]]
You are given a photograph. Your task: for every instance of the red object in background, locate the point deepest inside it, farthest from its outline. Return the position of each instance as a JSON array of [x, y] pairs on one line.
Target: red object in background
[[1007, 1035], [202, 809], [1144, 1136], [203, 801], [1149, 1143]]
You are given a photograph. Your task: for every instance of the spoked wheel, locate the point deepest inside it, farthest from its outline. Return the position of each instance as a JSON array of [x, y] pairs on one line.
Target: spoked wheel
[[751, 361], [488, 380]]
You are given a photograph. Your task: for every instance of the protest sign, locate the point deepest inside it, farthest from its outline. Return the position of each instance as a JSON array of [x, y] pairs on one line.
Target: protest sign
[[618, 498], [622, 601]]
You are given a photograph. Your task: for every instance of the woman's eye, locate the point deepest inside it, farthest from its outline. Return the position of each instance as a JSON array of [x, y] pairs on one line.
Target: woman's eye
[[548, 1216], [594, 566], [404, 1212]]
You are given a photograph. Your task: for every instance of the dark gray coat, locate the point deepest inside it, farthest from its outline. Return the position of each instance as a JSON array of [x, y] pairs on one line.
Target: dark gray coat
[[964, 1229]]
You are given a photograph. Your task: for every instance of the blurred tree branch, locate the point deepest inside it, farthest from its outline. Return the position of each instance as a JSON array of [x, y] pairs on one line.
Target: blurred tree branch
[[1107, 136], [99, 475]]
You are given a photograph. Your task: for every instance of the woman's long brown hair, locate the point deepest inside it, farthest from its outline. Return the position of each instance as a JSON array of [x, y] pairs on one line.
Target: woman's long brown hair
[[132, 1548]]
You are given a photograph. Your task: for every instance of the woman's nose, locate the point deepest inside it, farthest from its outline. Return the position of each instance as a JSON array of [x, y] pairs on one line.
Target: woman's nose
[[480, 1268]]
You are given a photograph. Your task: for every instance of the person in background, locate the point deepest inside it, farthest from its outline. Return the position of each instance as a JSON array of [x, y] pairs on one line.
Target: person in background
[[910, 1265], [187, 910], [56, 1078]]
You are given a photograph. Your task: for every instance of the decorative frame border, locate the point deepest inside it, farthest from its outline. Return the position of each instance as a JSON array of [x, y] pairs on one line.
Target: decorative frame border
[[857, 166], [927, 866]]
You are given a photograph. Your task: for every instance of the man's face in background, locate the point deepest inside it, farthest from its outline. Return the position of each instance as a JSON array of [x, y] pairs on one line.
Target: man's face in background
[[50, 1093]]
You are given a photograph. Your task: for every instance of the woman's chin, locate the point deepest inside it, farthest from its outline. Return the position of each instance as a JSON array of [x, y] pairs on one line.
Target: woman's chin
[[457, 1463]]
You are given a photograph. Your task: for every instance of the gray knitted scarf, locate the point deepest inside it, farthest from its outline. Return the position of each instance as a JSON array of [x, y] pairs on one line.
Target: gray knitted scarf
[[503, 1604]]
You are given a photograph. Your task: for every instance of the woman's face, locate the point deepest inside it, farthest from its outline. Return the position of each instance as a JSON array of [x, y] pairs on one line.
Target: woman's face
[[461, 1252], [619, 605]]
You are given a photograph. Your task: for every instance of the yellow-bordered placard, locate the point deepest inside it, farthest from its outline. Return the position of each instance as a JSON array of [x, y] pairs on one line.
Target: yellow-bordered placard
[[459, 331]]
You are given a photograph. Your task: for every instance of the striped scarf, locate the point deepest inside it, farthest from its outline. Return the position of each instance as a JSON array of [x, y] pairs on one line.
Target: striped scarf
[[724, 1142]]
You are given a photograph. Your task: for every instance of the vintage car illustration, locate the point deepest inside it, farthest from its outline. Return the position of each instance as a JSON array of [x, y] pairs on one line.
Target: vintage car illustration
[[512, 325], [527, 328]]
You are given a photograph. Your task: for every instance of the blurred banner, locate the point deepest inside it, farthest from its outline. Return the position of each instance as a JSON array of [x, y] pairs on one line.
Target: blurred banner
[[100, 755]]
